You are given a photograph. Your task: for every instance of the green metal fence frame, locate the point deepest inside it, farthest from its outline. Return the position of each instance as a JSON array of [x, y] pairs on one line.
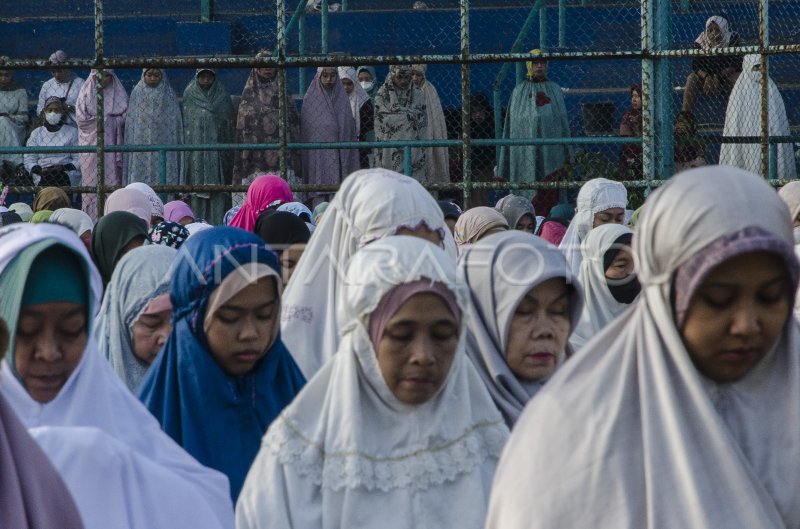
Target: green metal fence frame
[[655, 54]]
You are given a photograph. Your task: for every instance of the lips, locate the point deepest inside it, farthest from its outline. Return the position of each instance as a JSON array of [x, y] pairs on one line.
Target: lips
[[740, 355], [541, 357], [246, 356], [44, 381]]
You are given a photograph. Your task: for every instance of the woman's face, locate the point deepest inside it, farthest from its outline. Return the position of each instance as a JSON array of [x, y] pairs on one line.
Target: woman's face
[[327, 78], [609, 216], [417, 348], [402, 79], [149, 333], [205, 79], [526, 223], [539, 68], [636, 100], [54, 106], [736, 315], [60, 74], [106, 80], [152, 77], [5, 78], [418, 77], [49, 344], [289, 259], [186, 220], [364, 76], [242, 329], [622, 265], [539, 330], [266, 74], [348, 85], [714, 33]]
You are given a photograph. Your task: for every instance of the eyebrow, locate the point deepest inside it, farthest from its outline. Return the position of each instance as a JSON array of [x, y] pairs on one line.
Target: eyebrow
[[532, 299], [768, 282], [237, 308]]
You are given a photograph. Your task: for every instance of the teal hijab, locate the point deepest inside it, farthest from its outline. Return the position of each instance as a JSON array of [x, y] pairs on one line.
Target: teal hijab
[[46, 271]]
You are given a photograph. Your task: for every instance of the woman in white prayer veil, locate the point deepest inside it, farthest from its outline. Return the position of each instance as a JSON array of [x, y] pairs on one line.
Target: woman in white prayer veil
[[55, 378], [370, 204], [743, 118], [608, 280], [686, 412], [397, 431], [524, 303], [600, 201]]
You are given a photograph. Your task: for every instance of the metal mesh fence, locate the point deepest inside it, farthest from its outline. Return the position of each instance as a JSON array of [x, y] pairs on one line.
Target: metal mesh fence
[[203, 98]]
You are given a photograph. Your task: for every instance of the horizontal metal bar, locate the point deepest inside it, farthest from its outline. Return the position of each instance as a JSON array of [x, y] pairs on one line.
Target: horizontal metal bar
[[249, 61], [600, 140]]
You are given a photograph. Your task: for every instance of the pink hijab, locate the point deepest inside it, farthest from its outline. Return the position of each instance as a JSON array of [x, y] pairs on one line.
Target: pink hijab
[[553, 232], [33, 494], [174, 211], [132, 201], [264, 192]]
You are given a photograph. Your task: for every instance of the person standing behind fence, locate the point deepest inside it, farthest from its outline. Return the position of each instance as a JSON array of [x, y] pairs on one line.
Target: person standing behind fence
[[743, 118], [115, 108], [64, 85], [53, 169], [437, 159], [13, 116], [537, 111], [400, 114], [363, 111], [326, 117], [154, 117], [207, 118], [259, 122], [713, 75]]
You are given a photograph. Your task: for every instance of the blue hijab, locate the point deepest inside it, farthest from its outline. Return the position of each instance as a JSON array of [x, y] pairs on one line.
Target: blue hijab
[[218, 418]]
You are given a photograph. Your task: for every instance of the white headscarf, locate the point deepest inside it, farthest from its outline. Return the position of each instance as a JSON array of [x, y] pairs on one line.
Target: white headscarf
[[743, 118], [725, 33], [500, 270], [632, 431], [357, 97], [599, 307], [370, 204], [595, 196], [141, 275], [348, 453], [74, 219], [155, 201], [94, 396]]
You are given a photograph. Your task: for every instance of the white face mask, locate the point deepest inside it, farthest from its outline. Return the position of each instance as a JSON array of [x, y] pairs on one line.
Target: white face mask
[[53, 118], [797, 235], [366, 85]]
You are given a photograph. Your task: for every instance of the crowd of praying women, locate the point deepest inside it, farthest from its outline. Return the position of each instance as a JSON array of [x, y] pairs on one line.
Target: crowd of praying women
[[389, 360]]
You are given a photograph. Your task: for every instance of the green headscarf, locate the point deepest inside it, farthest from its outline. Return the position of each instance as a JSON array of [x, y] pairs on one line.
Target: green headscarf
[[110, 236], [41, 216], [44, 272]]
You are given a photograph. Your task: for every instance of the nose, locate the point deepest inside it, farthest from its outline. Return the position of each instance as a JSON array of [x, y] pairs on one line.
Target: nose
[[746, 322], [161, 338], [249, 329], [422, 352], [47, 347], [541, 330]]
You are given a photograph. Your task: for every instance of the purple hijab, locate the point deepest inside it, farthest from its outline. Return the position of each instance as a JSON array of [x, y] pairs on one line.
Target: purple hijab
[[32, 494], [326, 117], [174, 211]]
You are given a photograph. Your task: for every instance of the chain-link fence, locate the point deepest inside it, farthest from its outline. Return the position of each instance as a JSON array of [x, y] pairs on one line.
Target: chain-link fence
[[473, 99]]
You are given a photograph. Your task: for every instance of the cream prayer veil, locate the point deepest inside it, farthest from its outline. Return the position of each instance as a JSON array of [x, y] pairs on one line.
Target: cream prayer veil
[[628, 434]]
